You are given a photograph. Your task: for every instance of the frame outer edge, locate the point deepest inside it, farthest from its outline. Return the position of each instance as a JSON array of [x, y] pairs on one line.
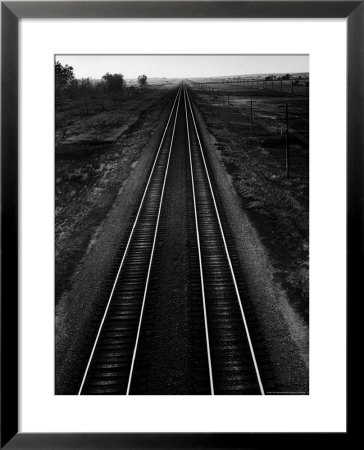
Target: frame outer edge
[[183, 9], [9, 201], [355, 173], [9, 224]]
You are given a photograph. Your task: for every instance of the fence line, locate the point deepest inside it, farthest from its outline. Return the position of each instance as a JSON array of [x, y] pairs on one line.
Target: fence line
[[93, 103], [293, 86], [269, 121]]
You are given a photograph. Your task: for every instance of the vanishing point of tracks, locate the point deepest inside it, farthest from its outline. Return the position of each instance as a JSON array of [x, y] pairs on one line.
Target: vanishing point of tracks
[[225, 359]]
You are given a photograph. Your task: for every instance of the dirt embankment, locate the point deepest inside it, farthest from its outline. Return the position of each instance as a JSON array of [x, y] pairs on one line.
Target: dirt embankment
[[284, 328], [91, 224]]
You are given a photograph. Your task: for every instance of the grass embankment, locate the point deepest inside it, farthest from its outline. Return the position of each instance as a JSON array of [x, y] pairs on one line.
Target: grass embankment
[[277, 206]]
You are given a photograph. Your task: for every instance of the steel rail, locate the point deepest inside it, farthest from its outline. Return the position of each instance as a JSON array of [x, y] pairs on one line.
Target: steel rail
[[227, 255], [127, 248], [199, 252], [152, 252]]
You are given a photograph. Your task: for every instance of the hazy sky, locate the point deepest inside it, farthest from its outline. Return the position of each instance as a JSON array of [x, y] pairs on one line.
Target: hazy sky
[[182, 66]]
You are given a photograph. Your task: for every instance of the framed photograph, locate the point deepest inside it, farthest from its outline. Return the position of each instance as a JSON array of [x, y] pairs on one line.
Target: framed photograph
[[181, 222]]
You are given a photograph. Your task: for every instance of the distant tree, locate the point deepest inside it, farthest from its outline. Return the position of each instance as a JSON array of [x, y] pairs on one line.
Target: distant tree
[[85, 86], [64, 76], [114, 82], [286, 77], [73, 88], [142, 80], [99, 85]]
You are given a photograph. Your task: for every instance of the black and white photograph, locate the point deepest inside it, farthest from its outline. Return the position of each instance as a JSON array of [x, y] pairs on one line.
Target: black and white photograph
[[181, 224]]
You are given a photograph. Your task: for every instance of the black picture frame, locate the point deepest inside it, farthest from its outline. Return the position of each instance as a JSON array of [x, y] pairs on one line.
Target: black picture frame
[[11, 12]]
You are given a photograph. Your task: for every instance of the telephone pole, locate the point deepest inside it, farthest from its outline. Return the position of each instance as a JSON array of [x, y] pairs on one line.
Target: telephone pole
[[287, 144], [251, 117]]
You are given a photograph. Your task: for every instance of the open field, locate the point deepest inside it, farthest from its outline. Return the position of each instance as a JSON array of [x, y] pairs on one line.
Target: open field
[[248, 124], [71, 109]]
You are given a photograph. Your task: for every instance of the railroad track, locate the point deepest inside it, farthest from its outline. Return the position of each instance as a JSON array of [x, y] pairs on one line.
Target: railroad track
[[224, 357], [232, 362], [110, 366]]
